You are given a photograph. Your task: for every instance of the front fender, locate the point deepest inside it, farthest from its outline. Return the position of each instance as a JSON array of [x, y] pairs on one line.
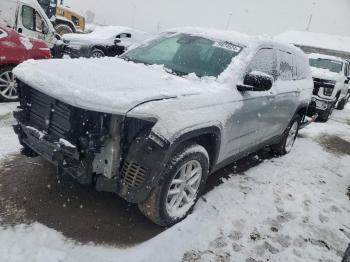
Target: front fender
[[148, 155]]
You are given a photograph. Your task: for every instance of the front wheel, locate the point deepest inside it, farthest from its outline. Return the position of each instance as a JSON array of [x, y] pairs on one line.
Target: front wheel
[[286, 144], [97, 53], [183, 180], [8, 85], [342, 103]]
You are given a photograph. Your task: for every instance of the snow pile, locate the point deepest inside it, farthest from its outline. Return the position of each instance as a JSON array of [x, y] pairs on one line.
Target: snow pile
[[332, 42], [25, 41]]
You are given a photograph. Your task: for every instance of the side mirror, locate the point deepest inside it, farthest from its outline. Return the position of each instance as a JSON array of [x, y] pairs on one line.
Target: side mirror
[[256, 81], [117, 41]]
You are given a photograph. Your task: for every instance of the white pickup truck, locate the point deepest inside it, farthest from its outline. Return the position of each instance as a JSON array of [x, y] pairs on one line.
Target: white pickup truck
[[331, 84], [27, 17]]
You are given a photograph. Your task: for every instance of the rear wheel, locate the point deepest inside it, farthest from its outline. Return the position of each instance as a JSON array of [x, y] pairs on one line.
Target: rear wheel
[[97, 53], [8, 85], [286, 144], [63, 29], [342, 103], [176, 194]]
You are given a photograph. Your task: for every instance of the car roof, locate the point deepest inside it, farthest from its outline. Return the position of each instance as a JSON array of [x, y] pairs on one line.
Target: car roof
[[237, 38]]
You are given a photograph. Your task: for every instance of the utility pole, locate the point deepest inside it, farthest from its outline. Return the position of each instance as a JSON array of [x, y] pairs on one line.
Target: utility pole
[[309, 23], [228, 21], [308, 26]]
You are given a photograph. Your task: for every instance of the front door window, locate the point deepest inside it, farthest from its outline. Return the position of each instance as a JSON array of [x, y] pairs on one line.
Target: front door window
[[32, 20]]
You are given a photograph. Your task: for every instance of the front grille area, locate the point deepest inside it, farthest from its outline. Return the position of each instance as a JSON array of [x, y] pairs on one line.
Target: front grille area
[[50, 115], [318, 83], [133, 175], [58, 119]]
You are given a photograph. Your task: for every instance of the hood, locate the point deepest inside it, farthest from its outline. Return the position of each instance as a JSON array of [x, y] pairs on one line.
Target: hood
[[109, 85], [324, 74]]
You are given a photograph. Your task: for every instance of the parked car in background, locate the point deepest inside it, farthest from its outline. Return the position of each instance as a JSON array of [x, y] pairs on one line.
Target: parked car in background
[[103, 41], [331, 84], [154, 123], [28, 18], [14, 49]]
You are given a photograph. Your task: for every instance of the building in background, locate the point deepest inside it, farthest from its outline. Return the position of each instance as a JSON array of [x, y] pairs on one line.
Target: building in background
[[310, 42]]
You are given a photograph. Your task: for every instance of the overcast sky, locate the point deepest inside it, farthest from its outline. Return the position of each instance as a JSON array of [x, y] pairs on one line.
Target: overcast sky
[[250, 16]]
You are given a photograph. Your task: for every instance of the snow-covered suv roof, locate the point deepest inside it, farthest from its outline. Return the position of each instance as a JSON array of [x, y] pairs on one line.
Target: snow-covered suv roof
[[237, 38]]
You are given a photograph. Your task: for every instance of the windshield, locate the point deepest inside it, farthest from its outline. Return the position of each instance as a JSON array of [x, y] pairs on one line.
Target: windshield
[[331, 65], [184, 54]]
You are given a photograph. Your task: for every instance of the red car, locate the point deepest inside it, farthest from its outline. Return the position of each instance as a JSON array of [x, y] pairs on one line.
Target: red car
[[15, 48]]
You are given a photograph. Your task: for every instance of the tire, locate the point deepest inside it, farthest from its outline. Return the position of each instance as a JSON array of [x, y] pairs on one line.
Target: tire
[[342, 103], [347, 255], [8, 85], [63, 29], [165, 207], [97, 53], [324, 117], [289, 136]]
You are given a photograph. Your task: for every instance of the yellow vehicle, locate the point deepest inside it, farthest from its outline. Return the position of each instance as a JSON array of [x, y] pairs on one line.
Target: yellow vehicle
[[63, 18]]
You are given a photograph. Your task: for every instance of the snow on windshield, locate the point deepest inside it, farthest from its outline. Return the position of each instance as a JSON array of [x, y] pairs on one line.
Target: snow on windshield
[[331, 65], [184, 54]]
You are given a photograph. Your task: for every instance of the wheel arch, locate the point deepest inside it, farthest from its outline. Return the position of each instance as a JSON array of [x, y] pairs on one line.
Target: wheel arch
[[209, 138], [302, 111], [12, 64], [100, 47]]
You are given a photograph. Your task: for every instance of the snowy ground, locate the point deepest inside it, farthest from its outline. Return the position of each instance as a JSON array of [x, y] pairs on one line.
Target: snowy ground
[[293, 208]]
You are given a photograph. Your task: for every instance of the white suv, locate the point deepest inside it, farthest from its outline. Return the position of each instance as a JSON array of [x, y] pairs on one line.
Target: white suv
[[331, 84], [154, 123]]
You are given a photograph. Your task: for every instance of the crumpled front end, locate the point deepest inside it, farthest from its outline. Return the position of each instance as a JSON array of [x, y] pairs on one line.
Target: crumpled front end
[[115, 153], [67, 136]]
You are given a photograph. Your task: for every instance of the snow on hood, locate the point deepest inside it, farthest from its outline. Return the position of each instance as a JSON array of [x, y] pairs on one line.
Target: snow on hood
[[324, 74], [109, 85], [101, 35]]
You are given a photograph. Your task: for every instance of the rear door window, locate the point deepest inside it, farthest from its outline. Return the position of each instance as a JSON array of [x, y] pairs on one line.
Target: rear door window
[[286, 66], [264, 61]]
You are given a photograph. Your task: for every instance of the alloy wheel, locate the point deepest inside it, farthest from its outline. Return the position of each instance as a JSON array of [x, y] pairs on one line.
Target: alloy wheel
[[292, 134], [8, 85], [97, 54], [184, 188]]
